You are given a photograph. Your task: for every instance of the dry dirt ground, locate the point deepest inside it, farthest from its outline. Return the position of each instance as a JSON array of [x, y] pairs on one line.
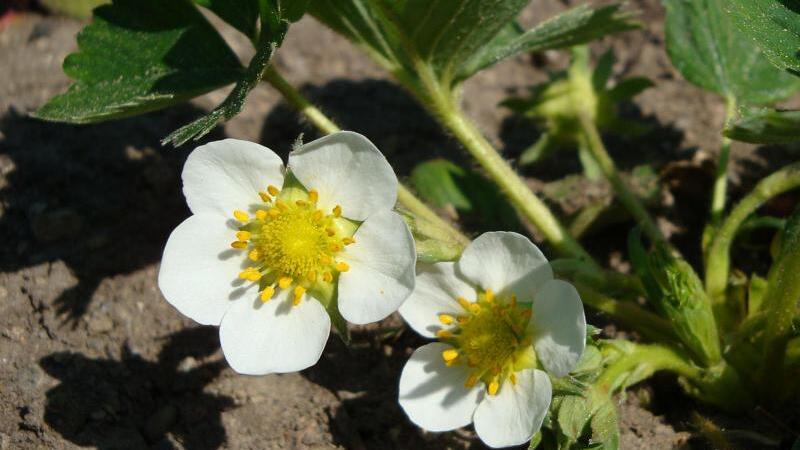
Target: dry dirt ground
[[92, 355]]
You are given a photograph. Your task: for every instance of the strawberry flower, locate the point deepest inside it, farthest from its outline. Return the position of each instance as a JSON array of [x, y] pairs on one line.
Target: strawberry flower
[[269, 253], [503, 325]]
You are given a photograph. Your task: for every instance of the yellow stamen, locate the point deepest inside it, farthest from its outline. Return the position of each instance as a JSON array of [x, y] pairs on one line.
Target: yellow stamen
[[513, 378], [267, 293], [327, 276], [282, 206], [273, 190], [261, 214], [450, 354], [444, 334], [474, 308], [239, 245], [342, 266], [337, 211], [243, 235], [471, 381], [317, 215], [274, 212], [446, 319], [285, 282], [494, 386], [301, 203], [489, 295], [335, 247], [312, 276], [298, 294], [463, 302], [330, 232], [264, 197], [325, 259], [253, 255], [313, 196], [348, 241], [241, 216]]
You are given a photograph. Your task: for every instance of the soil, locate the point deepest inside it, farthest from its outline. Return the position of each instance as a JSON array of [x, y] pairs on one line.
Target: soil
[[93, 356]]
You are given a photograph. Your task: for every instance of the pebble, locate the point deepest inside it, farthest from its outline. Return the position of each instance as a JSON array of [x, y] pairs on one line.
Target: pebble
[[100, 324]]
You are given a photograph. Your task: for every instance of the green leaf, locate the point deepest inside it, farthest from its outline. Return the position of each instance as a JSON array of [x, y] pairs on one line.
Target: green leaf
[[573, 416], [138, 56], [576, 26], [293, 10], [457, 38], [605, 427], [765, 126], [445, 184], [535, 441], [269, 41], [708, 49], [240, 14], [774, 25], [628, 88]]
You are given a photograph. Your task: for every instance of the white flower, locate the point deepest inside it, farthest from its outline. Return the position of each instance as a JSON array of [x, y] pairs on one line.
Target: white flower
[[501, 321], [267, 249]]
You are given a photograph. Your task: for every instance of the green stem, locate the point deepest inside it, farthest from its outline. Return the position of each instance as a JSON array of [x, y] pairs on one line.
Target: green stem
[[641, 361], [595, 146], [628, 313], [404, 196], [719, 195], [443, 104], [718, 261]]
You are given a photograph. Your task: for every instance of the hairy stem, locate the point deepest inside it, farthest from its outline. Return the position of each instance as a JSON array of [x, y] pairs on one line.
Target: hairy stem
[[325, 125], [629, 313], [595, 146], [718, 260], [443, 104], [719, 195]]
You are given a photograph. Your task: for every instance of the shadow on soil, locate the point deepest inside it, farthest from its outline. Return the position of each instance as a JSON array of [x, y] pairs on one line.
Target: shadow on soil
[[134, 403], [365, 377], [102, 198]]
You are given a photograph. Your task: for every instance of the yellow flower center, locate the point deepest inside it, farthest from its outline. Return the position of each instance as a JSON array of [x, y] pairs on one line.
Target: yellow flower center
[[290, 242], [490, 337]]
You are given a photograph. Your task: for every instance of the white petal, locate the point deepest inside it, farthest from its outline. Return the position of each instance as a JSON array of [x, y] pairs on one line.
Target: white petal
[[433, 395], [516, 413], [435, 292], [199, 269], [225, 175], [274, 337], [559, 327], [381, 274], [346, 169], [507, 263]]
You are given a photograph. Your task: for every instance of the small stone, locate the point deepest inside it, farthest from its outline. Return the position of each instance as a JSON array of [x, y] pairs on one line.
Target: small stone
[[56, 225], [187, 364], [100, 324]]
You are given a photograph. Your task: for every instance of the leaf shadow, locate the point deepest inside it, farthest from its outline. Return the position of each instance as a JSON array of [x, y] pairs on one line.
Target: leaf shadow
[[134, 403], [101, 198]]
